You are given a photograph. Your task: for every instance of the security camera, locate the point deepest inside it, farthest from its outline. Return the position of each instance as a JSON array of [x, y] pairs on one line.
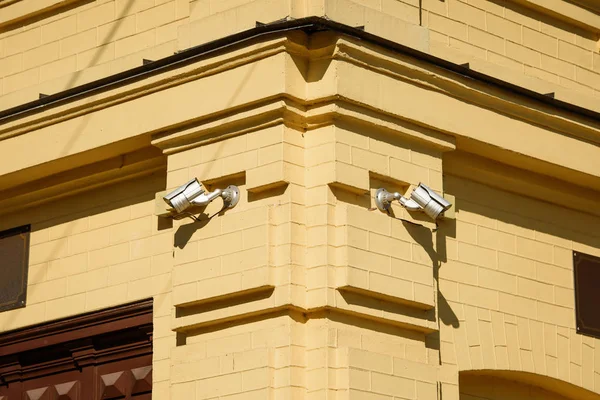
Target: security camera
[[192, 194], [422, 198]]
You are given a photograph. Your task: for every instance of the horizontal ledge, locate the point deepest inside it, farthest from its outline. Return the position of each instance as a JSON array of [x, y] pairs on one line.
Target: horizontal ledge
[[234, 297], [268, 186], [385, 297], [309, 313]]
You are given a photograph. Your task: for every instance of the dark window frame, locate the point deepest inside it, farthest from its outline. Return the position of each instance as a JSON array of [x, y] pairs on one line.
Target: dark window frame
[[581, 306], [20, 277]]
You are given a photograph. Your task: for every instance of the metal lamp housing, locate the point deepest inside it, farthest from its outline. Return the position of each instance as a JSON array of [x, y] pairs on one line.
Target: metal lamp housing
[[181, 198], [432, 203]]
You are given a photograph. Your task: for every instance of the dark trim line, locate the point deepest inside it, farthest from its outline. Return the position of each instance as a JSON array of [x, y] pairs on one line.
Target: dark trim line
[[309, 24]]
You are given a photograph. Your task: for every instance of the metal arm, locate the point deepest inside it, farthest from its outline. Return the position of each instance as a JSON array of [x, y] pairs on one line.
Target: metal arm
[[205, 198], [410, 204], [383, 200], [230, 195]]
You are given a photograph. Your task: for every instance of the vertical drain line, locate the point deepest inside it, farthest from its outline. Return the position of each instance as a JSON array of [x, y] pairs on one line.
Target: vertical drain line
[[421, 12]]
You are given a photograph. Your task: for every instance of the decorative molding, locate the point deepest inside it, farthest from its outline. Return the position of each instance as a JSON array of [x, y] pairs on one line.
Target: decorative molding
[[85, 357], [358, 289], [325, 108], [76, 328], [435, 78], [422, 321], [136, 88], [261, 303], [296, 114], [346, 49]]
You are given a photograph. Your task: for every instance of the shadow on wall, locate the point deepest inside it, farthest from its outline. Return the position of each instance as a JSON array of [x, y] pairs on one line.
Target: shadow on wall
[[446, 228], [88, 204], [438, 256], [102, 204], [424, 236], [100, 50], [513, 212], [528, 219]]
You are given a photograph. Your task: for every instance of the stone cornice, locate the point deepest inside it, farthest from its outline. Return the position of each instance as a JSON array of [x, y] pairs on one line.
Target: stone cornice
[[296, 114], [346, 49], [140, 88], [430, 77]]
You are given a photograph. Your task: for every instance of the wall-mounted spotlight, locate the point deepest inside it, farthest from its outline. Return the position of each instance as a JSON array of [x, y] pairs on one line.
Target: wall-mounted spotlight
[[421, 199], [193, 194]]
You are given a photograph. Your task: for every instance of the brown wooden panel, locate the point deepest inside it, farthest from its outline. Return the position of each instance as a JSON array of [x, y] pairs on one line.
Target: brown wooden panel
[[14, 265], [78, 327], [101, 355], [587, 293]]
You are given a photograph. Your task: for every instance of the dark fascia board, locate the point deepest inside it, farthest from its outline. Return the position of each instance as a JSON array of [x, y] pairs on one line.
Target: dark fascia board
[[308, 25]]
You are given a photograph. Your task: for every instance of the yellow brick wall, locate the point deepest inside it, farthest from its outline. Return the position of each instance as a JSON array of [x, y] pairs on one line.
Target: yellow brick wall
[[85, 42], [503, 267], [518, 38], [506, 296], [242, 361], [304, 290]]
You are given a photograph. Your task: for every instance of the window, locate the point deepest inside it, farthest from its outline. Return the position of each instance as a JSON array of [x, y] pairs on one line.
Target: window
[[14, 264], [587, 296]]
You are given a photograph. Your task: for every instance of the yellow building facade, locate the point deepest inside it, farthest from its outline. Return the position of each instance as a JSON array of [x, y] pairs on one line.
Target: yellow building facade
[[305, 290]]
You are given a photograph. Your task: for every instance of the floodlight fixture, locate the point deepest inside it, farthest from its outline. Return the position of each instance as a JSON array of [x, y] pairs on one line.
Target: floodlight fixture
[[422, 199], [193, 194]]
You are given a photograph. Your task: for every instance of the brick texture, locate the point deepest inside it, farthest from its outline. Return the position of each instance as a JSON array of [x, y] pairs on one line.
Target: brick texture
[[520, 34], [528, 289]]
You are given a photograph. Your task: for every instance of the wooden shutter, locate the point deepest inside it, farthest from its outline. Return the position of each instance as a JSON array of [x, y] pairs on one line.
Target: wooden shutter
[[587, 293]]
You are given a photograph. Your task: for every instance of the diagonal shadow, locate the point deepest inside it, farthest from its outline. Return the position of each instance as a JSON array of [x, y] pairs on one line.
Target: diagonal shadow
[[99, 53]]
